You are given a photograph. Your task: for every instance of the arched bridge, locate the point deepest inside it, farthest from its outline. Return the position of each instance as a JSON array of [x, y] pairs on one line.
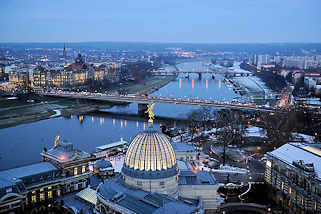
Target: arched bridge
[[143, 100], [201, 73]]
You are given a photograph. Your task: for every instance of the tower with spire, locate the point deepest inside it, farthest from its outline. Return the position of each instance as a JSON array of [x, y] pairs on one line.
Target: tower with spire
[[79, 60], [64, 52]]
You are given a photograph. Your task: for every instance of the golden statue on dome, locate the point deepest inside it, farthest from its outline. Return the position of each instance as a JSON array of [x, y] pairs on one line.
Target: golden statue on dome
[[150, 113], [56, 141]]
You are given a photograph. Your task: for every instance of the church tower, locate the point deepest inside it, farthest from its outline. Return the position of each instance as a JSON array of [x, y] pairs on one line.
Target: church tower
[[64, 52]]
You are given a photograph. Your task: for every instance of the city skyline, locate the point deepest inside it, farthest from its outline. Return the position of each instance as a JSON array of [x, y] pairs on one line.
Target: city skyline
[[162, 22], [236, 87]]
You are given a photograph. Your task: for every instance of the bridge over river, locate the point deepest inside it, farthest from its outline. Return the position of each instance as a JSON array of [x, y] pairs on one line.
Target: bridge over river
[[142, 101], [201, 73], [212, 71]]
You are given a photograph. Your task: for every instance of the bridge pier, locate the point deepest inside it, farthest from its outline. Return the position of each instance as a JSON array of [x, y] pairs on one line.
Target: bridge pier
[[213, 76], [187, 75], [141, 109], [199, 76]]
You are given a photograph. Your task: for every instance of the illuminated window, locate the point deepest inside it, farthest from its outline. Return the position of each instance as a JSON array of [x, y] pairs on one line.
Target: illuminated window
[[33, 199], [49, 188], [58, 192], [75, 171], [302, 201], [290, 190], [294, 195], [49, 194], [83, 169], [315, 205], [41, 190], [282, 186], [42, 196]]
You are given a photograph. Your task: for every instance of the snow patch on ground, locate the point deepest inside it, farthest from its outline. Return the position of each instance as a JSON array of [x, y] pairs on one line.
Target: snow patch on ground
[[57, 114], [255, 132]]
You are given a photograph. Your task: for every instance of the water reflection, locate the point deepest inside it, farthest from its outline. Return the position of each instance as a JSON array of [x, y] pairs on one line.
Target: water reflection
[[26, 139]]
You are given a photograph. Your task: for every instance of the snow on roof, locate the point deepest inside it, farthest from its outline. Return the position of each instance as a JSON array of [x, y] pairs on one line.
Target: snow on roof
[[28, 170], [183, 147], [88, 195], [182, 165], [255, 132], [299, 151], [111, 145], [306, 138], [117, 162]]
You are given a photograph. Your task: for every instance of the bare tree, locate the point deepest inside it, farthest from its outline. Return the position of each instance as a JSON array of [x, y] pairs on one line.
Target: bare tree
[[230, 129]]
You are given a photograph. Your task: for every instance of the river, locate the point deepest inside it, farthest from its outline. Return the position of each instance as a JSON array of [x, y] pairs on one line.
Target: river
[[22, 144]]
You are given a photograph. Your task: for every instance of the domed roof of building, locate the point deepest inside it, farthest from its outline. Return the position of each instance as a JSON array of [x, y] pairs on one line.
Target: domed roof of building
[[149, 154]]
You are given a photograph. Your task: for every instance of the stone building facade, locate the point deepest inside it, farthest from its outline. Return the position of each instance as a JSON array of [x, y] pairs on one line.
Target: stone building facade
[[294, 170]]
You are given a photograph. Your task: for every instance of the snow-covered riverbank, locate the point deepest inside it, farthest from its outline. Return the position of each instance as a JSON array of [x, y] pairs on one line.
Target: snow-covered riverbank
[[251, 85]]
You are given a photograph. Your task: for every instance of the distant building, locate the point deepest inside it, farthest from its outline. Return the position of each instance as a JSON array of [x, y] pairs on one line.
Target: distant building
[[294, 170], [57, 77], [19, 77], [78, 73], [2, 68]]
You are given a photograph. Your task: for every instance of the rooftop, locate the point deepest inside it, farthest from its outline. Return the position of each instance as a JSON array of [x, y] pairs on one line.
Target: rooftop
[[111, 145], [307, 152], [142, 202], [10, 176], [183, 147], [64, 151], [196, 178]]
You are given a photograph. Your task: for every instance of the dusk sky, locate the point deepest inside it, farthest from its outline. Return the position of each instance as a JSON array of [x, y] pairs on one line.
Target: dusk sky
[[203, 21]]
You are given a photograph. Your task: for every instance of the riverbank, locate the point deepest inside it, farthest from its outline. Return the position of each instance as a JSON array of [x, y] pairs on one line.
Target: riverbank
[[150, 85], [271, 79], [41, 111], [15, 112], [251, 87]]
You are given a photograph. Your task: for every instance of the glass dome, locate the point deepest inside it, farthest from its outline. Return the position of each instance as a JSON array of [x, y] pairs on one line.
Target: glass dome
[[150, 151]]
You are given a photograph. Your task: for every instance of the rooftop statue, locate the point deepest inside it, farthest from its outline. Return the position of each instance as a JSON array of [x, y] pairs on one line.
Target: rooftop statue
[[150, 113]]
